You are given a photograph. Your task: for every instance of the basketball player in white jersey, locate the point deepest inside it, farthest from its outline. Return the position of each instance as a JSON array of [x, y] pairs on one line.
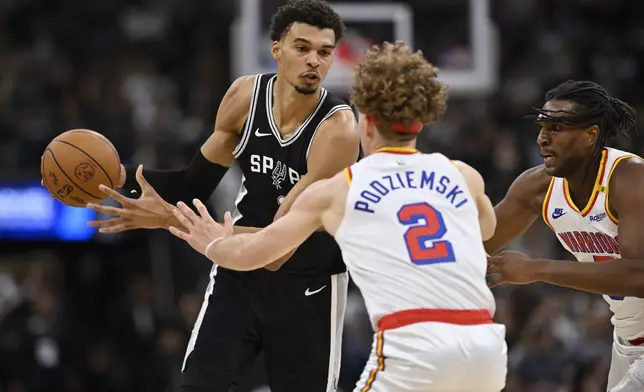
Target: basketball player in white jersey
[[592, 197], [410, 227]]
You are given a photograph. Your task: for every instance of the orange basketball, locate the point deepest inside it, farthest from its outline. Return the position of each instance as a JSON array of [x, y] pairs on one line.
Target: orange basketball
[[75, 163]]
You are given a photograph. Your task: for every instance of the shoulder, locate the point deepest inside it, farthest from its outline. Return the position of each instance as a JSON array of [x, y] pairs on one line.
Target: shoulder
[[530, 187], [627, 180], [534, 180], [339, 127], [472, 177], [234, 107], [337, 113], [331, 102], [628, 169], [242, 88], [321, 194]]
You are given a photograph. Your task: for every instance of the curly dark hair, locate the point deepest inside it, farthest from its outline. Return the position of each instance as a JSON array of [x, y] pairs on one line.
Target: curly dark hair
[[316, 13], [395, 85], [593, 106]]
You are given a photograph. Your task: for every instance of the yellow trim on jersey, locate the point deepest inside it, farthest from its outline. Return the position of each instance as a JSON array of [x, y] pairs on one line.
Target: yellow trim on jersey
[[380, 341], [596, 188], [610, 173], [398, 150], [546, 201], [348, 175]]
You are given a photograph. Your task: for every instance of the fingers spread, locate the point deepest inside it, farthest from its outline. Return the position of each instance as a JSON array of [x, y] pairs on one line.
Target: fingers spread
[[124, 201], [203, 211], [178, 233], [188, 212], [106, 223], [183, 219], [228, 218], [114, 211], [143, 183], [115, 229]]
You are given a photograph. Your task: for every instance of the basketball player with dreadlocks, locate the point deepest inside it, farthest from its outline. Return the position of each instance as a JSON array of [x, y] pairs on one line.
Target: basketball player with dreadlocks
[[592, 197]]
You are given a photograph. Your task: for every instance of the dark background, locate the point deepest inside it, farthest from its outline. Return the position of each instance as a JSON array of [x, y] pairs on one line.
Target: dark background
[[114, 314]]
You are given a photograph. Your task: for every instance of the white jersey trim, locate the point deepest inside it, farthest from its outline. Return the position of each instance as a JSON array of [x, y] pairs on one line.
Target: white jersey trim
[[271, 119], [339, 291], [333, 110], [246, 132]]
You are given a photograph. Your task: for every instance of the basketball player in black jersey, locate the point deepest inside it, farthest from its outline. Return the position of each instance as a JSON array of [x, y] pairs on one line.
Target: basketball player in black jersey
[[286, 132]]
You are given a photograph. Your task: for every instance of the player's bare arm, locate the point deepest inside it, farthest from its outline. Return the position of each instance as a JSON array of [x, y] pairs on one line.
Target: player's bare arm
[[520, 207], [621, 277], [198, 180], [476, 186], [335, 146], [321, 204]]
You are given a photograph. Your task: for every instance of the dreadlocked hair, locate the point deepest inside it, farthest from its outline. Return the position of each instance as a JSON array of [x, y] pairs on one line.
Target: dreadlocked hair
[[594, 106]]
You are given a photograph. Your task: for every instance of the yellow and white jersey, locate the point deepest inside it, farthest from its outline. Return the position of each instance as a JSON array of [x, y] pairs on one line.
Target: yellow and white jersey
[[410, 235], [590, 234]]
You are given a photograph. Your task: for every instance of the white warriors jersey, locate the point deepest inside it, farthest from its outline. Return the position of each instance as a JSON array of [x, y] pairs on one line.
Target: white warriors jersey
[[590, 234], [410, 235]]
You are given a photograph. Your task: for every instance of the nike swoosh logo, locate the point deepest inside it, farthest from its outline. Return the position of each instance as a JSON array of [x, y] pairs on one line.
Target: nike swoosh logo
[[308, 293], [259, 134]]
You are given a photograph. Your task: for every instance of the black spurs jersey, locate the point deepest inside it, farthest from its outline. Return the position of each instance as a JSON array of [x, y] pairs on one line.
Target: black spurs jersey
[[271, 167]]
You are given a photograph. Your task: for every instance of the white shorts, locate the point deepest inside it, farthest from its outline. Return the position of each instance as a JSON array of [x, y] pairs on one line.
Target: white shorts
[[432, 356], [626, 367]]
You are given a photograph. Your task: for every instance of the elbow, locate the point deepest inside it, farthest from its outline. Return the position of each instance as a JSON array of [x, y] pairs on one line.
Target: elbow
[[277, 264], [637, 289], [488, 228], [243, 263], [631, 281], [274, 266], [487, 233], [235, 262], [250, 262]]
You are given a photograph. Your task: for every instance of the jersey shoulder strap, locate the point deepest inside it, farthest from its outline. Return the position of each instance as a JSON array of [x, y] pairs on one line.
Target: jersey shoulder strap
[[329, 106], [256, 110]]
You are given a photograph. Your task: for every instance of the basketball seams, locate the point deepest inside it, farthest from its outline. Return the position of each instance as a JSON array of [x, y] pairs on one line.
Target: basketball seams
[[44, 177], [53, 156], [90, 157], [101, 138]]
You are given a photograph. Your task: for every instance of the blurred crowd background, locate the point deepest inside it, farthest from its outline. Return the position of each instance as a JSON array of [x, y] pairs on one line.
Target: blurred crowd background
[[114, 313]]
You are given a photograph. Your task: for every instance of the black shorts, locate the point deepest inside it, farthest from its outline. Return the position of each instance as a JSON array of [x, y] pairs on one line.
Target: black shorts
[[296, 320]]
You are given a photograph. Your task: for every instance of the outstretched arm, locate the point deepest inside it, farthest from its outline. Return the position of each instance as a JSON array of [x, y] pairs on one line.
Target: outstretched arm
[[198, 180], [209, 165], [520, 207], [336, 145], [620, 277], [251, 251]]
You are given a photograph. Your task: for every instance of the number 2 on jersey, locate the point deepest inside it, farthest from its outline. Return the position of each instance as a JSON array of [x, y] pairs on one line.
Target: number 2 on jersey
[[424, 237]]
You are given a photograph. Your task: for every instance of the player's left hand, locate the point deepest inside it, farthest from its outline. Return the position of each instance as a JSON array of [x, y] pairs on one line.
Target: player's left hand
[[200, 229], [509, 267]]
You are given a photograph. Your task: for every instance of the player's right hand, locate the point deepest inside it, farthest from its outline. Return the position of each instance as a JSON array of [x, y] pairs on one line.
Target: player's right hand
[[149, 211], [510, 267]]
